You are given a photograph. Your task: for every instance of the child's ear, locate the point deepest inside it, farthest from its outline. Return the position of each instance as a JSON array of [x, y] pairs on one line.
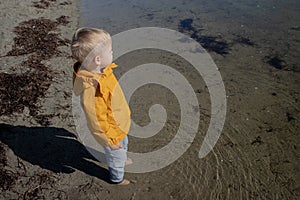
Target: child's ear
[[97, 60]]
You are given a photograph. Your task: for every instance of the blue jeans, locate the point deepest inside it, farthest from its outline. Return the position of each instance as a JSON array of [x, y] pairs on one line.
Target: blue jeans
[[115, 159]]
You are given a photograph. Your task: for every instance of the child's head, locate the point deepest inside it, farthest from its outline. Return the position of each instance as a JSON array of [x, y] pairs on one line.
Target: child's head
[[92, 48]]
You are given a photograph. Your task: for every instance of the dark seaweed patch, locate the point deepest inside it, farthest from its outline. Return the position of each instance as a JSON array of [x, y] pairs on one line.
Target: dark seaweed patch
[[35, 37], [296, 28], [244, 40], [210, 43], [7, 179], [3, 159], [276, 62], [150, 16], [44, 119], [186, 25], [34, 62], [43, 4], [289, 117], [20, 90], [65, 3], [62, 20], [280, 64]]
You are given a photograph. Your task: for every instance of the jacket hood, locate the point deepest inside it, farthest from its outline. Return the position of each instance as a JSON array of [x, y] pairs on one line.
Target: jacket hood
[[83, 79]]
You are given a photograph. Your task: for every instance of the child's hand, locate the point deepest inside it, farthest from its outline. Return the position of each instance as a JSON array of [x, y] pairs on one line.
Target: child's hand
[[115, 147]]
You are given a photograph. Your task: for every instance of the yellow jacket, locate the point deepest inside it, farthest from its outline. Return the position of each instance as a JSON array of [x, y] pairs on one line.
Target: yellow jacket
[[104, 104]]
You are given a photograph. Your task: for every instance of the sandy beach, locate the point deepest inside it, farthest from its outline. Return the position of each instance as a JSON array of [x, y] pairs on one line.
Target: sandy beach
[[256, 157]]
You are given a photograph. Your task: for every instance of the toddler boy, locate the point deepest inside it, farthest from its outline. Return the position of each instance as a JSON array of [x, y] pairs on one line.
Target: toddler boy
[[105, 107]]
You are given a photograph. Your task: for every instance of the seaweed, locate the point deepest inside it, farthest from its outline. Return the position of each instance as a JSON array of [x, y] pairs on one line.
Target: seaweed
[[65, 3], [276, 62], [43, 4], [62, 20], [41, 180], [35, 36], [279, 63], [3, 160], [186, 25], [289, 117], [17, 91], [210, 43], [244, 40], [20, 90], [295, 28], [44, 120], [213, 44], [150, 16], [7, 178]]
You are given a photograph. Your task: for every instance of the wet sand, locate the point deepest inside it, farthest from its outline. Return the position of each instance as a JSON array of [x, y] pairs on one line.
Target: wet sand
[[257, 155]]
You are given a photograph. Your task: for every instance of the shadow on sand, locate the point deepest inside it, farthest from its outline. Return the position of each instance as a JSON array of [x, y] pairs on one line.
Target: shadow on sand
[[55, 149]]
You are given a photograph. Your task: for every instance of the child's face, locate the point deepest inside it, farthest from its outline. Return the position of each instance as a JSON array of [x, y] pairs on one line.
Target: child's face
[[102, 60], [107, 56]]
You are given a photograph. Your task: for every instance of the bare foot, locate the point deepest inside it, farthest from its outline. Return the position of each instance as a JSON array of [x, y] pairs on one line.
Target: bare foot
[[128, 161], [124, 182]]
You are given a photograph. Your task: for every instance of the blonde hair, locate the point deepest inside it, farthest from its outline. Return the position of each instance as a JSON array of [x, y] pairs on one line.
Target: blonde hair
[[85, 40]]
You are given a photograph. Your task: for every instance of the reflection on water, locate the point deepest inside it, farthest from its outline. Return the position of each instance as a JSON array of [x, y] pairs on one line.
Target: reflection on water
[[255, 43]]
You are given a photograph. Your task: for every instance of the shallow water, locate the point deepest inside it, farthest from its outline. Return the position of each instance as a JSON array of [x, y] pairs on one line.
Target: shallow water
[[271, 26], [256, 46]]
